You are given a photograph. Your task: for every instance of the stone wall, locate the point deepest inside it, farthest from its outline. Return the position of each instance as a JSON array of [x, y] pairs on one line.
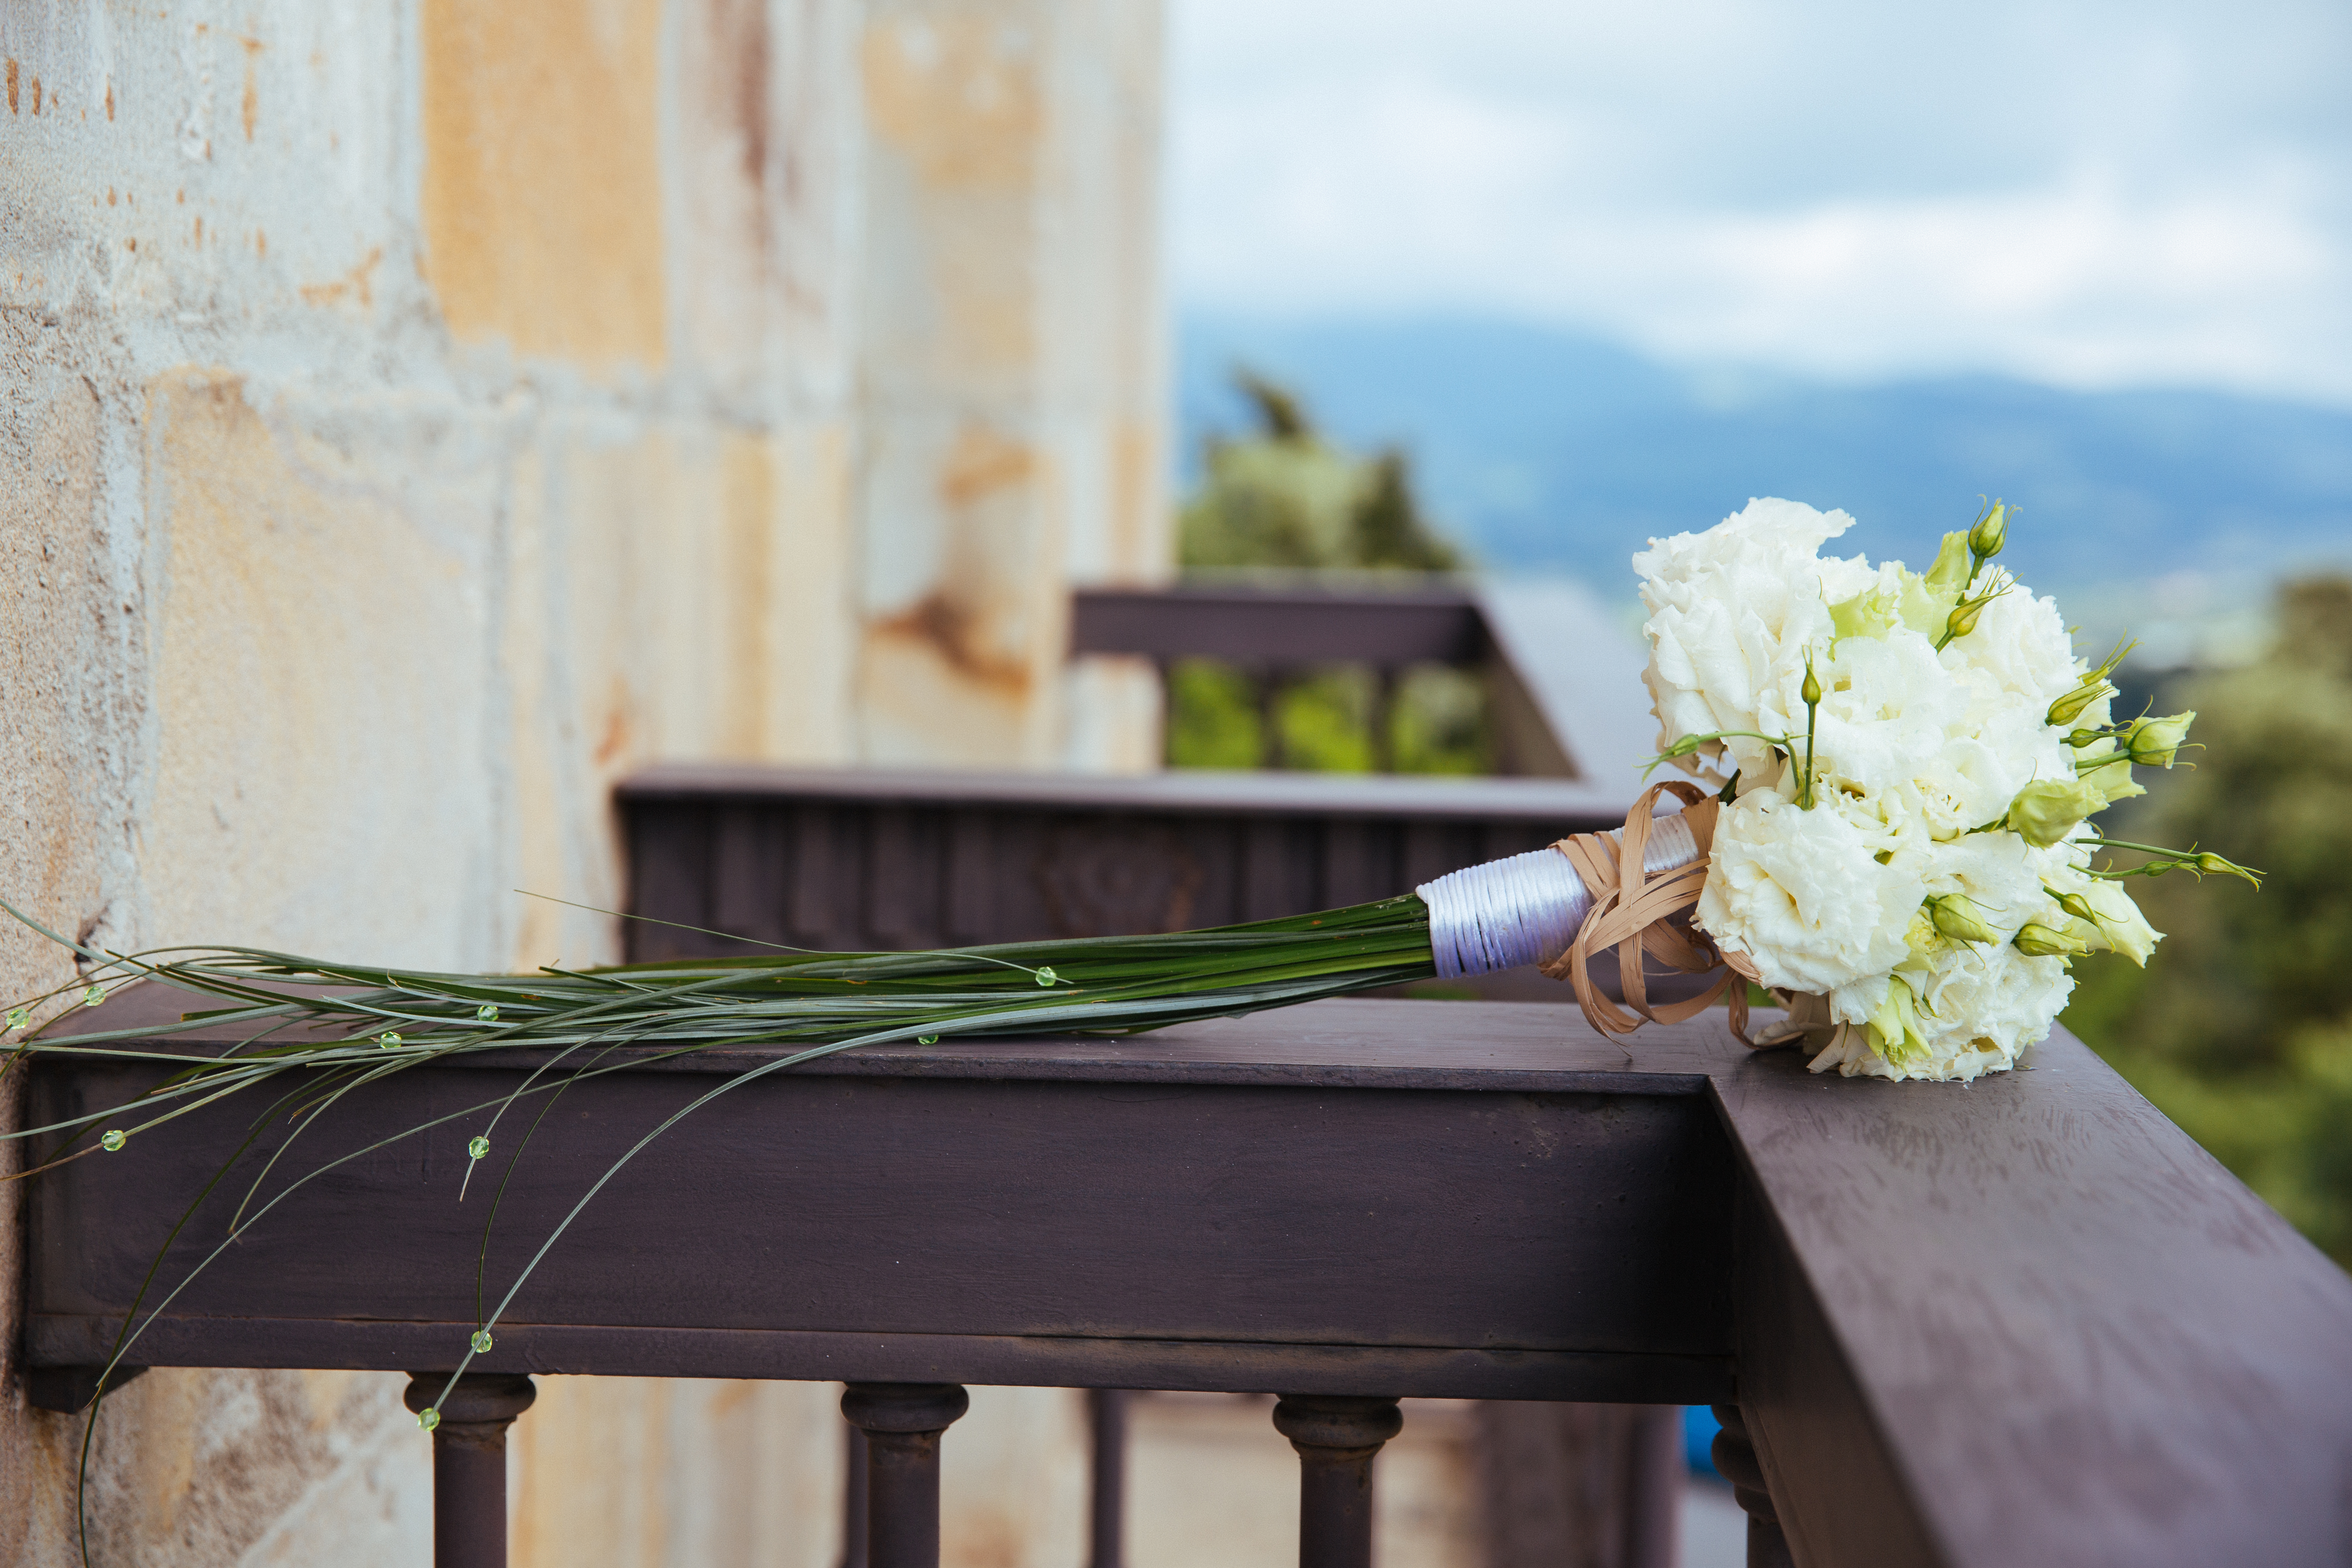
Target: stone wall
[[414, 417]]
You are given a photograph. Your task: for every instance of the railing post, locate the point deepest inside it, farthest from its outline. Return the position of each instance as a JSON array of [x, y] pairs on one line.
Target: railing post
[[1336, 1437], [470, 1461], [1269, 717], [1734, 1460], [853, 1499], [902, 1423], [1107, 1520]]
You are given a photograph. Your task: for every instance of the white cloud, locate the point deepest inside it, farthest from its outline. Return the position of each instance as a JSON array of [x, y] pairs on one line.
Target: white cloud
[[2089, 195]]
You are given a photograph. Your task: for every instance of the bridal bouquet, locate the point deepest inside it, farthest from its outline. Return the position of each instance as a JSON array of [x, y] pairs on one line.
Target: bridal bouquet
[[1909, 762], [1887, 824]]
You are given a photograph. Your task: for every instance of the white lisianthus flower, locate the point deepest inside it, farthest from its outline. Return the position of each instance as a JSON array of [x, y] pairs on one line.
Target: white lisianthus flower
[[1983, 1006], [1803, 894], [1733, 612]]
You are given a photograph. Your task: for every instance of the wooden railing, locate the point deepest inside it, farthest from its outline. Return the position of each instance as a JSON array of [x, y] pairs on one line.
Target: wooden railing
[[1562, 684], [2023, 1321], [2026, 1321]]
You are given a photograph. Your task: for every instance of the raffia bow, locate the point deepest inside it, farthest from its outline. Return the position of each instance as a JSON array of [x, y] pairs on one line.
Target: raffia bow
[[1633, 911]]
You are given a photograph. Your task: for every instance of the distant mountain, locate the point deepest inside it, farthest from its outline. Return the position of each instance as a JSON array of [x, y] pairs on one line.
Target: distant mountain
[[1549, 453]]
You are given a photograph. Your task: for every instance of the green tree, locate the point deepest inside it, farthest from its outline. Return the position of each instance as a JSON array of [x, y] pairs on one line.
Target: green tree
[[2241, 1028], [1282, 498]]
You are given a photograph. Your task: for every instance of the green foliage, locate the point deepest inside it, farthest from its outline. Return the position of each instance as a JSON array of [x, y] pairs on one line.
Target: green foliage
[[1286, 498], [2241, 1028]]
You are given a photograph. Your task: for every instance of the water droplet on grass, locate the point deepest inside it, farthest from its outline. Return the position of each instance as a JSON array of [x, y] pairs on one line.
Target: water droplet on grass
[[112, 1139], [478, 1149]]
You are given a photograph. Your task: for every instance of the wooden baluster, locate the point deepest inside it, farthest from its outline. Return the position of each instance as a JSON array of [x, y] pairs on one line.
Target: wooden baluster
[[902, 1423], [1106, 1520], [1655, 1472], [469, 1462], [853, 1499], [1269, 719], [1734, 1460], [1337, 1437], [1383, 718]]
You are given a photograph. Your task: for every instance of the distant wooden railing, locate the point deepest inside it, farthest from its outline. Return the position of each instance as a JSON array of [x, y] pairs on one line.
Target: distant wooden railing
[[1562, 698]]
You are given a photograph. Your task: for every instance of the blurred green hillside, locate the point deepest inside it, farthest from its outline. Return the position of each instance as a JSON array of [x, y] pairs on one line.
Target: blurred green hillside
[[2241, 1028], [1282, 498]]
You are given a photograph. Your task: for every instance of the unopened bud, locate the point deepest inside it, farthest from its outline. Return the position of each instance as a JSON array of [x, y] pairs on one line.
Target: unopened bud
[[1950, 575], [2037, 940], [1989, 532], [2077, 905], [2154, 743], [2213, 865], [1964, 618], [1956, 916], [2045, 811], [1811, 691], [2069, 708]]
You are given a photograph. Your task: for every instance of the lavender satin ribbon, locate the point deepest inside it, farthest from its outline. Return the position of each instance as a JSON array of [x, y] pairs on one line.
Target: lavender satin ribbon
[[1529, 908]]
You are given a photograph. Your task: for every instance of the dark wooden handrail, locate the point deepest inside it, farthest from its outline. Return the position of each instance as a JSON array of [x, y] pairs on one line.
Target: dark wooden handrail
[[1262, 627], [1563, 687], [868, 859], [2024, 1321]]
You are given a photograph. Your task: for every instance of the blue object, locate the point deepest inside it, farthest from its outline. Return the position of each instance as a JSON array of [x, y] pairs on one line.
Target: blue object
[[1699, 1427]]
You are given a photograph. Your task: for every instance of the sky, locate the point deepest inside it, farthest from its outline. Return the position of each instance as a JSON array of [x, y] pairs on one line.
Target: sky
[[2085, 194]]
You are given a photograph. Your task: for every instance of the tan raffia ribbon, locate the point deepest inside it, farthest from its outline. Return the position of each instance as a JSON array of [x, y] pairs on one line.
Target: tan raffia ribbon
[[1633, 910]]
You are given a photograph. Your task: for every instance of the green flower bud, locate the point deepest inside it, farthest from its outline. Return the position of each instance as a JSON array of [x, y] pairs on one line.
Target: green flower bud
[[1895, 1028], [1950, 575], [2213, 865], [2046, 810], [1964, 618], [480, 1341], [1811, 691], [2037, 940], [2078, 738], [1989, 532], [2154, 743], [1956, 916], [1045, 975], [112, 1140], [478, 1149], [2069, 708], [2077, 905]]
